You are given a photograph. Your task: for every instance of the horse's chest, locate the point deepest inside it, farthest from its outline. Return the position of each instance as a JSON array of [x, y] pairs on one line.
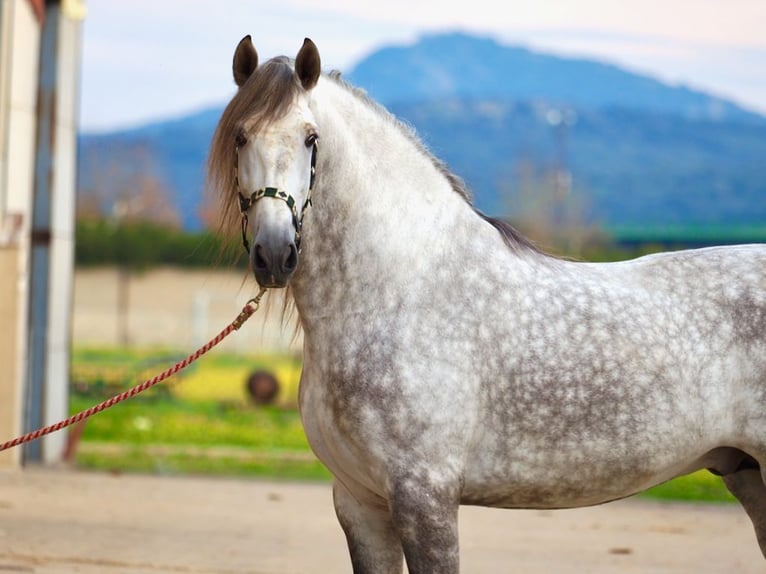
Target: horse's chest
[[338, 424], [365, 410]]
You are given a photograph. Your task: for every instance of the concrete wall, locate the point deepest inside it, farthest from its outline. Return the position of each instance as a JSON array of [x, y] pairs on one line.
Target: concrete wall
[[176, 309]]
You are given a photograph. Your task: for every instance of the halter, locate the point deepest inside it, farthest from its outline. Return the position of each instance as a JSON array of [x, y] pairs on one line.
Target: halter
[[245, 203]]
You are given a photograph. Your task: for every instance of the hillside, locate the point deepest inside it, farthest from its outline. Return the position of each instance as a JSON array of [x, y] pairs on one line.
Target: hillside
[[459, 66], [633, 169], [641, 154]]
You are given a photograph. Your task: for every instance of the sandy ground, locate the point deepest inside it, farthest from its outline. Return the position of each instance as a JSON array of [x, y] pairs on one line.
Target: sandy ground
[[66, 522]]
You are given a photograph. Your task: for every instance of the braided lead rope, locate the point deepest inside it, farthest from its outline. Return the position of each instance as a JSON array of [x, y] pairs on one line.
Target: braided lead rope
[[250, 307]]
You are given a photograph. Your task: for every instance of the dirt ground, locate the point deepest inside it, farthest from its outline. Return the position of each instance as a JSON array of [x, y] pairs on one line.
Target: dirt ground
[[65, 522]]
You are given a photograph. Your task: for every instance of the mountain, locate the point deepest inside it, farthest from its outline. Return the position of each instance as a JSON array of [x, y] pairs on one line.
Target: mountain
[[631, 168], [640, 153], [460, 66]]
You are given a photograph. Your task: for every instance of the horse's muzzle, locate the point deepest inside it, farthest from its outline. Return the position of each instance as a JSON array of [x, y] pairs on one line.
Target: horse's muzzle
[[273, 261]]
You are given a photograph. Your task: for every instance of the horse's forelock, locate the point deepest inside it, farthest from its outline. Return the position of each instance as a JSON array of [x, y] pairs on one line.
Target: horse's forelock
[[265, 97]]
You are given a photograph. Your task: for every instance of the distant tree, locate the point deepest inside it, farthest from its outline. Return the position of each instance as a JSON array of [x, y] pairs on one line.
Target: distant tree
[[126, 190], [228, 239], [208, 214], [145, 200], [546, 206], [127, 195], [90, 207]]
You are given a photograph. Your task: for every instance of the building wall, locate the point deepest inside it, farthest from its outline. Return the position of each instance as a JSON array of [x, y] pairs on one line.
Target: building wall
[[20, 29], [10, 398], [19, 45]]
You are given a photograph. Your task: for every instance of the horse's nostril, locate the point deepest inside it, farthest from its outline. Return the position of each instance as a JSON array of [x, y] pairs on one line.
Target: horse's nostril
[[291, 261], [259, 258]]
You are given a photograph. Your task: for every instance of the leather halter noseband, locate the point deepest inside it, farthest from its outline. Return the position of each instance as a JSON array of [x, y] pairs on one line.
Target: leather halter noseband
[[246, 202]]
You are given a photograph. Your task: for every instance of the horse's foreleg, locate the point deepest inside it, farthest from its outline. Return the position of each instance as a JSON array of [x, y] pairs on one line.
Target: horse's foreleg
[[425, 516], [372, 541], [748, 486]]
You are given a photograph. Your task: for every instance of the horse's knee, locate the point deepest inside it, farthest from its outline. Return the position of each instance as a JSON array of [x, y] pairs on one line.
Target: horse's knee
[[425, 516], [372, 541]]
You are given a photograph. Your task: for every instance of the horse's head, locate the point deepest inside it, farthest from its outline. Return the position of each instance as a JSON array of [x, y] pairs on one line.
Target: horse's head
[[270, 136]]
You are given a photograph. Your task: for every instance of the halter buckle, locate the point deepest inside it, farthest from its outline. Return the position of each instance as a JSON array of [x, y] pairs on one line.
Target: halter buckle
[[244, 202]]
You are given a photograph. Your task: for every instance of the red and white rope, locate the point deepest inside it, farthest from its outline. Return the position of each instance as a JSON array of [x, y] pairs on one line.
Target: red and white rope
[[249, 308]]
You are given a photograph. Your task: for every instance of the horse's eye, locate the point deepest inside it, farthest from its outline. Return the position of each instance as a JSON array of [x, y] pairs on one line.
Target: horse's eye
[[240, 140], [311, 140]]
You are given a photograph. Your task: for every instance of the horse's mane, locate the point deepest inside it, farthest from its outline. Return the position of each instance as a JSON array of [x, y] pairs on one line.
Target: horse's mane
[[458, 185], [514, 239], [266, 96]]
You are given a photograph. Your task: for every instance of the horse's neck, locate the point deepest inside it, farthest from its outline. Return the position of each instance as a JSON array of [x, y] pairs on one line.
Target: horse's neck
[[381, 162], [380, 209]]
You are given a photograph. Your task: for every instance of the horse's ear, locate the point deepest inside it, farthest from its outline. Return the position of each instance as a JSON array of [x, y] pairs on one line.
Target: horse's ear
[[245, 60], [308, 65]]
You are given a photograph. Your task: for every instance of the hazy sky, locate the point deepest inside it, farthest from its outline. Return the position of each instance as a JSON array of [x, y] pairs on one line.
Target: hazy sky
[[150, 59]]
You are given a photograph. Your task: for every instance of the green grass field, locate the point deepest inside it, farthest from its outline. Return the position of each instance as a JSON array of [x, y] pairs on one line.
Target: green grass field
[[202, 422]]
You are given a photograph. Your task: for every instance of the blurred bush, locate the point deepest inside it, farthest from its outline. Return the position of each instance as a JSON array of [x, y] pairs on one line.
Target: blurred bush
[[138, 245]]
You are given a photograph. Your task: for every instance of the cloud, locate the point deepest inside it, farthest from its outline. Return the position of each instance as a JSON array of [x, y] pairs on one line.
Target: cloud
[[736, 22], [146, 60]]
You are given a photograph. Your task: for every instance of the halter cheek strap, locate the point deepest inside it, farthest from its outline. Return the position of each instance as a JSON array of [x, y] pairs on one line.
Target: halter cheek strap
[[245, 202]]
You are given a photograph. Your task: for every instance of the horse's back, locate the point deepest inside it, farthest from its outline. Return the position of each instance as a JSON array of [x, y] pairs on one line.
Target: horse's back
[[717, 288]]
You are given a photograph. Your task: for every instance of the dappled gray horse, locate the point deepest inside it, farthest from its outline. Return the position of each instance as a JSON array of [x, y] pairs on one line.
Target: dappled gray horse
[[446, 360]]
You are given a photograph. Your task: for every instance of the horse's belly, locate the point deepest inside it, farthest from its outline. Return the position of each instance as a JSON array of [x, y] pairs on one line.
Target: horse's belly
[[539, 494], [568, 479]]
